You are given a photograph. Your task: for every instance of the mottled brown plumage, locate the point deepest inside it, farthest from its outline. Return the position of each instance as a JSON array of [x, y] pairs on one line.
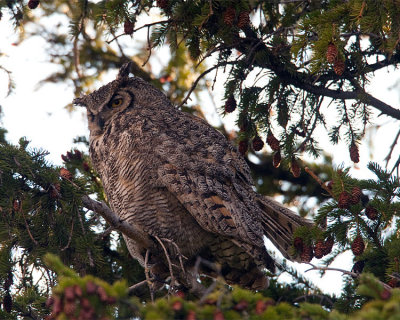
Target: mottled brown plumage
[[176, 178]]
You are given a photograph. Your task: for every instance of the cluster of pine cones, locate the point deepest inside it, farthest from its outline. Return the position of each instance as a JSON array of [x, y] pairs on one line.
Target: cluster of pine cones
[[76, 303], [332, 56], [308, 251]]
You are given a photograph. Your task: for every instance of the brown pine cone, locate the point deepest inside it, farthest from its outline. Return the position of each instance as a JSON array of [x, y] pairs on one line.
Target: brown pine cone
[[371, 212], [273, 142], [243, 20], [258, 144], [295, 168], [241, 305], [354, 154], [298, 243], [385, 294], [17, 205], [191, 315], [328, 245], [243, 146], [306, 254], [276, 160], [66, 174], [393, 283], [33, 4], [319, 249], [358, 245], [230, 104], [128, 27], [55, 190], [69, 293], [356, 193], [229, 16], [339, 67], [344, 200], [331, 53]]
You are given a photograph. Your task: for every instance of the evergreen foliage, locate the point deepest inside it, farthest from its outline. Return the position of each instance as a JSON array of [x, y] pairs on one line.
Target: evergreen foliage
[[287, 63]]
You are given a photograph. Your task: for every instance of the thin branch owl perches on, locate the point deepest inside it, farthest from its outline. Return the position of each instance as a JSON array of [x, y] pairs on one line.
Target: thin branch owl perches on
[[172, 176]]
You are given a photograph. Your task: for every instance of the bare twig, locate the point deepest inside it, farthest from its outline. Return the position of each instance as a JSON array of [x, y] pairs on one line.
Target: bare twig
[[114, 221], [147, 274], [353, 274], [194, 85], [70, 237], [169, 264], [321, 183], [137, 285], [28, 229], [389, 156]]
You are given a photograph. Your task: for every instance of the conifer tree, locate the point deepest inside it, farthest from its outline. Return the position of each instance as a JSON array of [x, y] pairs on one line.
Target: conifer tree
[[61, 258]]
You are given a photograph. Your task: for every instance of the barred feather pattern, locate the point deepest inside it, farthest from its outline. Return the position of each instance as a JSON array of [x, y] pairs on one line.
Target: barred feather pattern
[[174, 177]]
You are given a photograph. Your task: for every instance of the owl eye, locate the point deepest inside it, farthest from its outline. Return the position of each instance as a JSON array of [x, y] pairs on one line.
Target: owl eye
[[116, 102]]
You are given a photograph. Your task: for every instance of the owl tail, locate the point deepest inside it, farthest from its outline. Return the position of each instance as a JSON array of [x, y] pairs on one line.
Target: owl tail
[[279, 223]]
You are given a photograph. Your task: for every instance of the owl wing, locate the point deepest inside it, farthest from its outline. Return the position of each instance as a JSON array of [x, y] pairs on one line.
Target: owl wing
[[209, 177]]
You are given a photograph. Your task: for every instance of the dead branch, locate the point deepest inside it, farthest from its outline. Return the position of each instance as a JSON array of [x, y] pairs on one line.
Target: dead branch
[[321, 183], [114, 221]]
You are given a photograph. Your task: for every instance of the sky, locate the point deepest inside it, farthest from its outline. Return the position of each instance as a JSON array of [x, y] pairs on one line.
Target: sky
[[39, 113]]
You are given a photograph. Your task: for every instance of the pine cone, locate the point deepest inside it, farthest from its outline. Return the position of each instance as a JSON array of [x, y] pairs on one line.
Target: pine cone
[[66, 174], [298, 243], [243, 20], [69, 293], [258, 144], [33, 4], [354, 154], [55, 191], [86, 166], [393, 283], [17, 205], [331, 53], [319, 249], [355, 195], [163, 4], [371, 212], [273, 142], [344, 200], [276, 160], [128, 27], [306, 254], [230, 104], [218, 315], [229, 16], [7, 302], [339, 67], [385, 294], [243, 146], [358, 245], [241, 305], [191, 315], [328, 245], [295, 168]]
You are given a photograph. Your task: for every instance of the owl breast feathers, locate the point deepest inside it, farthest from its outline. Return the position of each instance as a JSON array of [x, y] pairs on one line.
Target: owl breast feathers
[[179, 181]]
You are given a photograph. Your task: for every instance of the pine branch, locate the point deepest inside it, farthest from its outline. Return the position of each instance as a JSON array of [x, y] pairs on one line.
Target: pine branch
[[127, 229], [306, 82]]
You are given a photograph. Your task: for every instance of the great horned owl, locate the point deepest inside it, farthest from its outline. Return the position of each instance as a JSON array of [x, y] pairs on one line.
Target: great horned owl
[[176, 178]]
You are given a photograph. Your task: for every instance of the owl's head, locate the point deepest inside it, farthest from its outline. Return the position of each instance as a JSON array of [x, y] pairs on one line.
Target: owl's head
[[121, 95]]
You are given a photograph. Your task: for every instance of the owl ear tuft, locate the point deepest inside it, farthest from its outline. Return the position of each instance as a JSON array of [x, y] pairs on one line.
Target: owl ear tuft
[[124, 70]]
